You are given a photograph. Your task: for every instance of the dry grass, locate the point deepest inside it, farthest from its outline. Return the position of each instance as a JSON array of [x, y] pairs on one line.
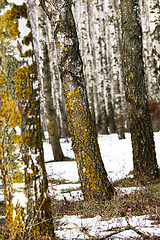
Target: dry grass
[[143, 201]]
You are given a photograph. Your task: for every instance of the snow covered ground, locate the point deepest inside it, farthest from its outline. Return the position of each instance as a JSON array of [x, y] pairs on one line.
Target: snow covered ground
[[71, 227], [116, 155], [117, 158]]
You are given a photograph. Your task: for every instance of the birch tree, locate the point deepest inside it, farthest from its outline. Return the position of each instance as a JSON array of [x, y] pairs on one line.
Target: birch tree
[[92, 174], [97, 31], [57, 92], [114, 59], [24, 177], [144, 157], [82, 17], [46, 85], [150, 16]]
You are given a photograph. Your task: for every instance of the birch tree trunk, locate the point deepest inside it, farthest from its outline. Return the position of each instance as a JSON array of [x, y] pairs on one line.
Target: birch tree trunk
[[146, 43], [46, 86], [154, 28], [97, 30], [93, 176], [114, 29], [150, 11], [144, 157], [82, 18], [150, 17], [57, 93], [109, 82], [24, 177], [115, 65]]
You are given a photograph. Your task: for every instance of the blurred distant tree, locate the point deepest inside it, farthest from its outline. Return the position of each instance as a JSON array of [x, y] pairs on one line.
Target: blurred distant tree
[[150, 17], [90, 23], [82, 18], [114, 54], [46, 84], [144, 157], [57, 91], [24, 177], [97, 27], [154, 111], [92, 174]]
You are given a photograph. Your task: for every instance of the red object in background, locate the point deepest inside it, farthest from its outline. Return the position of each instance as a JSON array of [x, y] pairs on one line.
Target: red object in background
[[154, 110]]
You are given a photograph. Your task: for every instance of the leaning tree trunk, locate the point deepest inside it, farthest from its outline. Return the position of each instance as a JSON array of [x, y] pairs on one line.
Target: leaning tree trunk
[[58, 99], [82, 23], [144, 157], [93, 177], [24, 177], [46, 86]]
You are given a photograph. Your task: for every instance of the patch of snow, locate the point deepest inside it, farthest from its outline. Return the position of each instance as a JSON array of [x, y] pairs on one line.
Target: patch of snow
[[63, 170], [70, 227], [72, 196], [128, 190], [116, 155], [19, 2], [56, 191]]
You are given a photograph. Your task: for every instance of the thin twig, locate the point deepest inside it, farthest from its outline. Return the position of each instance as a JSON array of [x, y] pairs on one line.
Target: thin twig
[[128, 227]]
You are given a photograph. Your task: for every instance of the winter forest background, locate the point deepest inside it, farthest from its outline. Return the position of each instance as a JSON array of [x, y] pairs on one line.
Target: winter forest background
[[79, 72]]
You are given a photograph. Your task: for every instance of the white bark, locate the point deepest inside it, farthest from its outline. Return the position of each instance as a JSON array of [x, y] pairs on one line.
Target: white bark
[[150, 12], [114, 54], [57, 92], [82, 18]]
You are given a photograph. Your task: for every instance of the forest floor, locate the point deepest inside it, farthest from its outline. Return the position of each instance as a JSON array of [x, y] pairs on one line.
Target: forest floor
[[133, 213], [133, 206]]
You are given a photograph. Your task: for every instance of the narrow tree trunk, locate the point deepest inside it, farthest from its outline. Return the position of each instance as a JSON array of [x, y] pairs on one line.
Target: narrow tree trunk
[[97, 31], [154, 30], [146, 43], [57, 93], [144, 157], [150, 16], [113, 28], [24, 177], [46, 86], [82, 23], [109, 85], [93, 177]]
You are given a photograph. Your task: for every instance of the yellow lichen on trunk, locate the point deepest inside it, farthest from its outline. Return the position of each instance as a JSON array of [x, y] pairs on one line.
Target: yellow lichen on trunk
[[93, 176], [27, 203]]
